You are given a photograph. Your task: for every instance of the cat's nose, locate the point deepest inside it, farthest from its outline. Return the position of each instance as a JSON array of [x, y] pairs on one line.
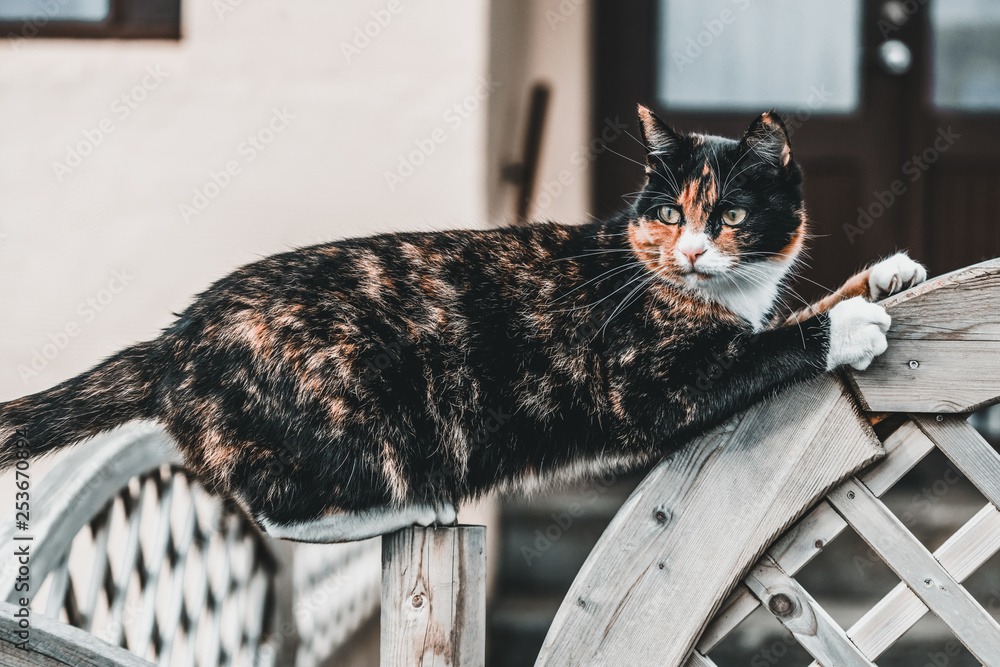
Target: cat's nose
[[693, 254]]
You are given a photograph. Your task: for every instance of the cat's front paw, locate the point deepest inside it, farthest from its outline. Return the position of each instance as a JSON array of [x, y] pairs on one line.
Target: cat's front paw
[[894, 274], [857, 333]]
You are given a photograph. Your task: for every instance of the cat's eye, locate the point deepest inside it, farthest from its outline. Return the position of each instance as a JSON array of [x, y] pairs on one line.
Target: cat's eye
[[734, 216], [669, 215]]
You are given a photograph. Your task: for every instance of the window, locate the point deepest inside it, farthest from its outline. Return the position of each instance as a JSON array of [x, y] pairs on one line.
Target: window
[[147, 19]]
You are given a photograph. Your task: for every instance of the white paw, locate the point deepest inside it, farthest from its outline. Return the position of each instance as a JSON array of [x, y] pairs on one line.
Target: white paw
[[857, 333], [895, 274], [424, 515], [447, 515]]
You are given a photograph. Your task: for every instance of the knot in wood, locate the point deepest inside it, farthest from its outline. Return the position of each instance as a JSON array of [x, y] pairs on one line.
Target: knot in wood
[[781, 605]]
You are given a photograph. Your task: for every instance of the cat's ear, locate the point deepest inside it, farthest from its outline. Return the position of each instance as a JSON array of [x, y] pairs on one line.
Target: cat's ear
[[768, 138], [657, 136]]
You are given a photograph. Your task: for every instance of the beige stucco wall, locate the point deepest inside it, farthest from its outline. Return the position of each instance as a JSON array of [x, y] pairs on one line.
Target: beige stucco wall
[[74, 237], [134, 173]]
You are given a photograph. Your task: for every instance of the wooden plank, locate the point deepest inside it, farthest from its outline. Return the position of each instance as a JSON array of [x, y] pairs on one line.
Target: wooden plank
[[951, 376], [91, 475], [434, 597], [904, 448], [810, 624], [964, 552], [54, 644], [919, 570], [698, 522], [963, 445], [696, 659], [949, 326]]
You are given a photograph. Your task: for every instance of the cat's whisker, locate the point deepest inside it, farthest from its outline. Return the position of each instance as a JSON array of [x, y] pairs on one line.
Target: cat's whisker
[[611, 150], [608, 273], [623, 304], [631, 279]]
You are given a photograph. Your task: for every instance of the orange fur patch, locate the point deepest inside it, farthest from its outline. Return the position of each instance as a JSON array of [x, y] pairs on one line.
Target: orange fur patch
[[856, 285]]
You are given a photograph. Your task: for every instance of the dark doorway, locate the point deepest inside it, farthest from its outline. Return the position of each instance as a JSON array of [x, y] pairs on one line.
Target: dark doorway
[[893, 108]]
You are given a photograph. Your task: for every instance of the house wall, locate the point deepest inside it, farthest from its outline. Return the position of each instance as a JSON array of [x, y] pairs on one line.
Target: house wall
[[134, 173]]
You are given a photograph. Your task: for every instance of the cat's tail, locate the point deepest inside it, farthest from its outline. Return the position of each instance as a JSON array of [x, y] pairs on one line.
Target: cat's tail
[[116, 391]]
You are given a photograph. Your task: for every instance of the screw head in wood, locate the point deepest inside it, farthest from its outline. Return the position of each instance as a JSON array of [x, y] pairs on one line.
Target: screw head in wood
[[661, 516], [850, 495], [781, 604], [939, 418], [914, 364], [417, 601]]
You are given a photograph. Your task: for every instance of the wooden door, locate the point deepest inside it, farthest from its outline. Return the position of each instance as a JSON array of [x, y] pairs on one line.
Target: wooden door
[[889, 103]]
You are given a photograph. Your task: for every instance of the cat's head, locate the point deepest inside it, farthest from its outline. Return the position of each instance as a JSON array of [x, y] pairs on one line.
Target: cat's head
[[718, 214]]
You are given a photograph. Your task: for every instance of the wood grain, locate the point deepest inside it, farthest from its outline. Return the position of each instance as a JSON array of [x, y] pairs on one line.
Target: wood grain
[[55, 644], [698, 522], [90, 475], [904, 448], [949, 326], [963, 445], [810, 624], [434, 597], [962, 554], [919, 570]]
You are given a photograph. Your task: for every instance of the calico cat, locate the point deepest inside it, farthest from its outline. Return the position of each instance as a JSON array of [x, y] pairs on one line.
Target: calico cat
[[345, 390]]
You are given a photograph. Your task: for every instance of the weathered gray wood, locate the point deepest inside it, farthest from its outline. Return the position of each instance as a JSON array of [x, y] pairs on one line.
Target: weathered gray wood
[[434, 597], [949, 326], [961, 443], [919, 570], [904, 448], [808, 622], [54, 644], [698, 522], [698, 660], [78, 488], [962, 554]]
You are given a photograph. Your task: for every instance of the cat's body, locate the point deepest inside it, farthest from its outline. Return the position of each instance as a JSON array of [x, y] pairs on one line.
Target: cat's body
[[348, 389]]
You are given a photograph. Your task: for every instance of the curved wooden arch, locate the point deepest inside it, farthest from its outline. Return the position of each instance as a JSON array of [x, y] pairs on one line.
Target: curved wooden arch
[[701, 520], [82, 491], [84, 482], [54, 644]]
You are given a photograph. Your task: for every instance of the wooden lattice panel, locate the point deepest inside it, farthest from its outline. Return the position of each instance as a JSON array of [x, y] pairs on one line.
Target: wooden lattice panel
[[692, 553], [337, 588], [930, 582], [185, 584]]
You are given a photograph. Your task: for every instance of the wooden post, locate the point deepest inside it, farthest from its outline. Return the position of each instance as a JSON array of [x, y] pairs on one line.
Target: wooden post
[[434, 597]]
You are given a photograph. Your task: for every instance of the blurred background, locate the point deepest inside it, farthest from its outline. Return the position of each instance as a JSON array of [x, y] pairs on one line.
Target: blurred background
[[152, 146]]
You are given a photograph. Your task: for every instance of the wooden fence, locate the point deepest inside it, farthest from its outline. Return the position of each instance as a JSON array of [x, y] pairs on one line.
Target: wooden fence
[[720, 528]]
